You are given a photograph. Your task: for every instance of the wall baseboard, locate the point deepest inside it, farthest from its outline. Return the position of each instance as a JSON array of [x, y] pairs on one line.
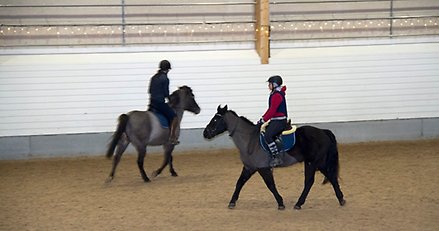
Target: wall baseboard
[[95, 144]]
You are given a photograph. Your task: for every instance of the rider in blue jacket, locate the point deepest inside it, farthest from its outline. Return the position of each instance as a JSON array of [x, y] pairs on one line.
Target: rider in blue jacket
[[159, 90]]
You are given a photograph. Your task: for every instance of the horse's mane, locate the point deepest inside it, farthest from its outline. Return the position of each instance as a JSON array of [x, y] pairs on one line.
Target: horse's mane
[[185, 87], [174, 98], [243, 118], [254, 129]]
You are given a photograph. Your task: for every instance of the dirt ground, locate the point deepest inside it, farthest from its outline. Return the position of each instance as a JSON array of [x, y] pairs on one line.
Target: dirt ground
[[387, 186]]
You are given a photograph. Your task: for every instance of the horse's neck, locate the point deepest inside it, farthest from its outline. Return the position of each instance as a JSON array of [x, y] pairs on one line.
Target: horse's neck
[[240, 131], [179, 113]]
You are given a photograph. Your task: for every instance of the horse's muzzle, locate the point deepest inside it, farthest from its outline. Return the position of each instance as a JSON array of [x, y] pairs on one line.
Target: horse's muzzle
[[195, 109], [207, 134]]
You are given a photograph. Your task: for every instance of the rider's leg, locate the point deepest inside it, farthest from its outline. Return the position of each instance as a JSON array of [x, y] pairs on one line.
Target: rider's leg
[[174, 123], [275, 157], [173, 138], [273, 129]]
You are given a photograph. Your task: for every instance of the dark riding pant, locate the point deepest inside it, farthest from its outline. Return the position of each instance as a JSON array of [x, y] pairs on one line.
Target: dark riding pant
[[163, 108], [274, 128]]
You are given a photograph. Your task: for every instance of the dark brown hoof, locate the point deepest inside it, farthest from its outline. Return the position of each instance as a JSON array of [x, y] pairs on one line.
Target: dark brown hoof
[[297, 207], [231, 205], [342, 202]]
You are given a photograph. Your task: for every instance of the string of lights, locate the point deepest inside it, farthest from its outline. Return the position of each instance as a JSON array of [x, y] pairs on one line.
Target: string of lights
[[118, 33], [218, 31]]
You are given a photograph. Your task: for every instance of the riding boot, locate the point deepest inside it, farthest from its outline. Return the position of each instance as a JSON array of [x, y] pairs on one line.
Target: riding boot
[[173, 139], [275, 157]]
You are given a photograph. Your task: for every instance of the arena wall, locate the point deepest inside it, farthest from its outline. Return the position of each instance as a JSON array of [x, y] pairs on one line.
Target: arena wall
[[94, 144], [65, 101]]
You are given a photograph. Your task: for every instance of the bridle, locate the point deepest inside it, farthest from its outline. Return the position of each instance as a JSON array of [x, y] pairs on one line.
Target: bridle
[[231, 132], [179, 107]]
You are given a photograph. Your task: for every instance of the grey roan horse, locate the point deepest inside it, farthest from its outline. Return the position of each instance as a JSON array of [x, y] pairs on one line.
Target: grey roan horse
[[316, 147], [143, 128]]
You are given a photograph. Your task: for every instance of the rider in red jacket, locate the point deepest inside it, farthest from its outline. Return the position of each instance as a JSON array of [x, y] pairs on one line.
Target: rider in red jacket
[[277, 115]]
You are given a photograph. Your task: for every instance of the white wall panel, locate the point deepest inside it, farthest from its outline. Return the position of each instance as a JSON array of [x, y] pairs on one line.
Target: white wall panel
[[50, 93]]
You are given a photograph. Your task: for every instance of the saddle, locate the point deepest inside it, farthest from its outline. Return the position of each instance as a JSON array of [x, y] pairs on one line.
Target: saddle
[[285, 141], [162, 118]]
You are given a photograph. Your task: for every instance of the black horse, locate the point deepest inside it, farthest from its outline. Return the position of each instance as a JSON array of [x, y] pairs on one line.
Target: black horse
[[316, 147]]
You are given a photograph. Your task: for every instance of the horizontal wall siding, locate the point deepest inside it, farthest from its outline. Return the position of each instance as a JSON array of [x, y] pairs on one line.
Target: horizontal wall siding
[[85, 92], [362, 83]]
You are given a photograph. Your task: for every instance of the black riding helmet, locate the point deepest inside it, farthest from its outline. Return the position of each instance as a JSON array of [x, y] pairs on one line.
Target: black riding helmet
[[275, 79], [165, 65]]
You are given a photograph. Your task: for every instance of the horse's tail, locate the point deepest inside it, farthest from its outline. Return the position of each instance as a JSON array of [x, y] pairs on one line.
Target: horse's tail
[[332, 162], [123, 120]]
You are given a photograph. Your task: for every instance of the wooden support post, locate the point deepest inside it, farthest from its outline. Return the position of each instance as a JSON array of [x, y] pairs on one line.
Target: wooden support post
[[262, 30]]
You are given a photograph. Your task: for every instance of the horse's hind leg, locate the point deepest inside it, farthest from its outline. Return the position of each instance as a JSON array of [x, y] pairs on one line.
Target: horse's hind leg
[[267, 175], [310, 171], [337, 190], [140, 159], [246, 174], [120, 149]]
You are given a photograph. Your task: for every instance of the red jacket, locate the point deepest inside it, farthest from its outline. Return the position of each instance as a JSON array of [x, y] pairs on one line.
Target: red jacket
[[275, 102]]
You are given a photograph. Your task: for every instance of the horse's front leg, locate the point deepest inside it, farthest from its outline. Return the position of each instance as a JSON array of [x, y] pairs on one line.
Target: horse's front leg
[[171, 165], [267, 175], [246, 174], [168, 148], [140, 159]]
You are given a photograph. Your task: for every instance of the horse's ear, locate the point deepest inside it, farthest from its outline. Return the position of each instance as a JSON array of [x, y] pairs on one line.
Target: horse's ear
[[221, 110]]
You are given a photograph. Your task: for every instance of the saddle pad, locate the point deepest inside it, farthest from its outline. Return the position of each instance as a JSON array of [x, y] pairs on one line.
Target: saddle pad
[[290, 131], [288, 142], [286, 132]]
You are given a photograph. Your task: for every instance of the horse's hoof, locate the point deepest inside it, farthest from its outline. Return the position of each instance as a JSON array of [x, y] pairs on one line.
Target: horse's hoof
[[342, 202], [231, 205], [155, 174], [281, 207], [109, 179], [297, 207], [174, 174]]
